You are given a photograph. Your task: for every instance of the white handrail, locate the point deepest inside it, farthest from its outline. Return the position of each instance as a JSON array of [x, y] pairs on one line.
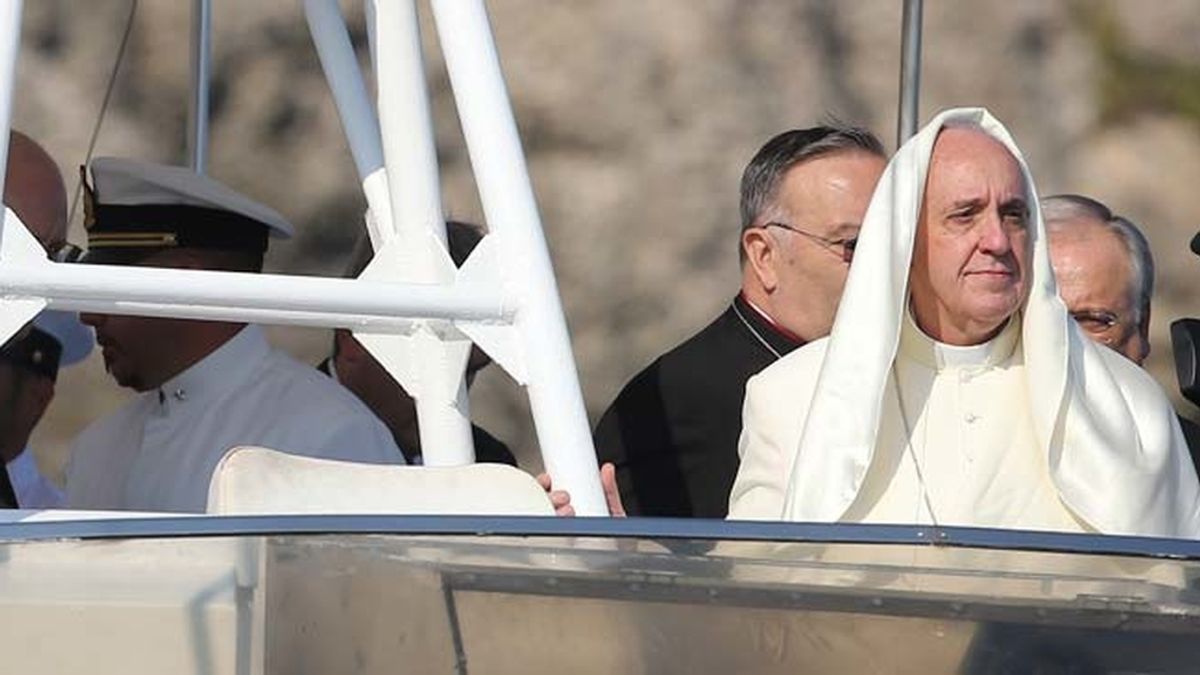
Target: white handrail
[[228, 296]]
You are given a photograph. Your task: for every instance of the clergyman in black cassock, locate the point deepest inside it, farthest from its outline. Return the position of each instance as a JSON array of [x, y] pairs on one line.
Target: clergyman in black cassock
[[672, 432]]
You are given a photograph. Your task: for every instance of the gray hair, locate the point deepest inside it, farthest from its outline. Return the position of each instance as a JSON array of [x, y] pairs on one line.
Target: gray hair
[[1059, 211], [761, 179]]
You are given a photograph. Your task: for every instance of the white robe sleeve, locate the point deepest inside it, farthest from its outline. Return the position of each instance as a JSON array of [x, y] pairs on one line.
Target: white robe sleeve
[[773, 417], [761, 483]]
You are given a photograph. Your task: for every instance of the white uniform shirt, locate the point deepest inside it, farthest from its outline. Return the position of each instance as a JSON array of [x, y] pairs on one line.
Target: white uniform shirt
[[158, 452], [962, 424], [33, 490]]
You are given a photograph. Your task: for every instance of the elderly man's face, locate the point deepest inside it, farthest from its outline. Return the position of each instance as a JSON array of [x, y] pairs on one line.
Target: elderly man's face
[[1095, 280], [969, 271]]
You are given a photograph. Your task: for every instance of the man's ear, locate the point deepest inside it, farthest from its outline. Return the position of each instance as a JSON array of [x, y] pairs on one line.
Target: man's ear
[[761, 251]]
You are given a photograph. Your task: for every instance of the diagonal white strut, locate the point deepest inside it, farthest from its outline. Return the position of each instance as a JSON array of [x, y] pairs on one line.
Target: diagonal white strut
[[356, 111], [512, 215]]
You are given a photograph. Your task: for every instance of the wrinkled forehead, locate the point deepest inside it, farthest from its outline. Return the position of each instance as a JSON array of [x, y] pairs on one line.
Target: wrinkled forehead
[[966, 158]]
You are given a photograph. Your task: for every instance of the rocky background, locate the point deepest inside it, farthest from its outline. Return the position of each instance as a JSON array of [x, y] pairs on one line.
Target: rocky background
[[637, 118]]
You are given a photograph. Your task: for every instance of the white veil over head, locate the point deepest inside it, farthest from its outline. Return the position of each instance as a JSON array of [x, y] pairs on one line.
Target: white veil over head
[[1113, 445]]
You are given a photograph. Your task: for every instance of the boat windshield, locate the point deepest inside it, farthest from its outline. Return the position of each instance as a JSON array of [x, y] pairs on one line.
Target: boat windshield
[[313, 594]]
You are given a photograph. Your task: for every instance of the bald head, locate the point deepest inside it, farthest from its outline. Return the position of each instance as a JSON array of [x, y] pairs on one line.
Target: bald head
[[1104, 270], [34, 190]]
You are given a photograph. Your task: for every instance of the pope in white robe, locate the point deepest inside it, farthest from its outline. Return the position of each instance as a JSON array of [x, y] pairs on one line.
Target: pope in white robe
[[954, 388]]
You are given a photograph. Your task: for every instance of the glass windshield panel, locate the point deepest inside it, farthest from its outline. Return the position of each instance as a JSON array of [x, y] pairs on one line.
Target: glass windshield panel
[[365, 603]]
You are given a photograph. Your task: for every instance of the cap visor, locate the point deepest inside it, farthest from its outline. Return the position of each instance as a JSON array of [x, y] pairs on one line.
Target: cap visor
[[116, 256]]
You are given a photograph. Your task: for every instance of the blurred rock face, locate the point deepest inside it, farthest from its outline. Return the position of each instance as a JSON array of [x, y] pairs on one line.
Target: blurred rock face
[[637, 119]]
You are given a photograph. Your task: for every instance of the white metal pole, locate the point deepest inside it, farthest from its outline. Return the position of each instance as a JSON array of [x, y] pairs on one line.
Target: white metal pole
[[333, 45], [340, 64], [10, 45], [512, 215], [201, 70], [910, 71], [410, 155], [409, 151]]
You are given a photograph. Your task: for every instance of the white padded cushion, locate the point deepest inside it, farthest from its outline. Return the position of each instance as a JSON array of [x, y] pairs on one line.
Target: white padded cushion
[[253, 480]]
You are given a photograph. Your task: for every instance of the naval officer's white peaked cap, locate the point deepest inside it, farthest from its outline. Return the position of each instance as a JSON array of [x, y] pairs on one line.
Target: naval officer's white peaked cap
[[129, 182]]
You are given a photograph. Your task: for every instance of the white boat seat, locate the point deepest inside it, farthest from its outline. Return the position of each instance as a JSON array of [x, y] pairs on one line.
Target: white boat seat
[[254, 480]]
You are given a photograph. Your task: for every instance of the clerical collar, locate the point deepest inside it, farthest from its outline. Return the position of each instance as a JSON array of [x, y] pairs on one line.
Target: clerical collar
[[219, 371], [774, 337], [918, 346]]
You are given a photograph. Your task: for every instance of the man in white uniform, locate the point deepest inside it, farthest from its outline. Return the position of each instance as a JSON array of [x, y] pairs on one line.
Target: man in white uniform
[[954, 389], [204, 386]]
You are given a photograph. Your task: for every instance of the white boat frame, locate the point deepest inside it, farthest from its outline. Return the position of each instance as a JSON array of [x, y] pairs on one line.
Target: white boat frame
[[411, 307]]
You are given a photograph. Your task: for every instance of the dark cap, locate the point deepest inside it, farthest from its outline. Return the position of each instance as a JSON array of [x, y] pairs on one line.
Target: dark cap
[[34, 350], [133, 208]]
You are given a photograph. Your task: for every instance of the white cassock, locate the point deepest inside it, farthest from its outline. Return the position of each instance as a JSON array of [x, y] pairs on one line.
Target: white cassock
[[1039, 428], [158, 452]]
